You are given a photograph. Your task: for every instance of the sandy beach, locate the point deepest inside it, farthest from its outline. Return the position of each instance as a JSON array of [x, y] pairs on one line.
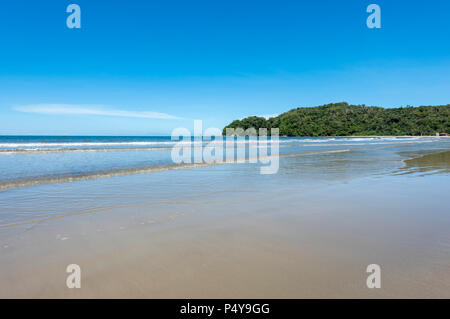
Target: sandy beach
[[231, 233]]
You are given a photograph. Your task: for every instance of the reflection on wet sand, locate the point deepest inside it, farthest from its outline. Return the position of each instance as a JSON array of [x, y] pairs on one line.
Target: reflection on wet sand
[[436, 163]]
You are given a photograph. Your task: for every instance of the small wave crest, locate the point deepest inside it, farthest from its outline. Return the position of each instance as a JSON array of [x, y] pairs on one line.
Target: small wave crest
[[51, 145]]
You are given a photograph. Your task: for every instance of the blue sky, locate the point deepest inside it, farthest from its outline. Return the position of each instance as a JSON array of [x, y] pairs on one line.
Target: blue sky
[[146, 67]]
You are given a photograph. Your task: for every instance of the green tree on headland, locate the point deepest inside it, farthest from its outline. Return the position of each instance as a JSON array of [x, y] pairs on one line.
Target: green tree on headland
[[342, 119]]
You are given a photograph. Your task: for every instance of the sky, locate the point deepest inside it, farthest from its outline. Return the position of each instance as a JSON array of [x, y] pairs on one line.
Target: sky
[[147, 67]]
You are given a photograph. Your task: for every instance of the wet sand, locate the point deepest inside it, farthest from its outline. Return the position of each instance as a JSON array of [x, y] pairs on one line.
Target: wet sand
[[300, 244], [429, 164]]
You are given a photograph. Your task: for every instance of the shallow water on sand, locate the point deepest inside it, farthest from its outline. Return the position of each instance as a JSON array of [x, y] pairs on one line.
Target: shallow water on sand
[[321, 162], [26, 161]]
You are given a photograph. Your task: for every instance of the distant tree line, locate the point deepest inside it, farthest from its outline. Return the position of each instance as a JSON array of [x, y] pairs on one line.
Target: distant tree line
[[342, 119]]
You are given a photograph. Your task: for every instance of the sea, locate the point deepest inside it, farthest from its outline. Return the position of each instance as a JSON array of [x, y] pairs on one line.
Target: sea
[[35, 169]]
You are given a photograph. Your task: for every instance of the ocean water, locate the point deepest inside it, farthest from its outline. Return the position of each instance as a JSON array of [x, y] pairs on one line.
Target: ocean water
[[46, 176], [34, 160]]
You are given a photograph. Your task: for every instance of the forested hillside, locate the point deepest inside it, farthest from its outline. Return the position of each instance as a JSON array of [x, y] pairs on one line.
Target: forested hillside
[[342, 119]]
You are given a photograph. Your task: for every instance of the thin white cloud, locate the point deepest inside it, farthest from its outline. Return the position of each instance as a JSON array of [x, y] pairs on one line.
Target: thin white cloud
[[74, 109]]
